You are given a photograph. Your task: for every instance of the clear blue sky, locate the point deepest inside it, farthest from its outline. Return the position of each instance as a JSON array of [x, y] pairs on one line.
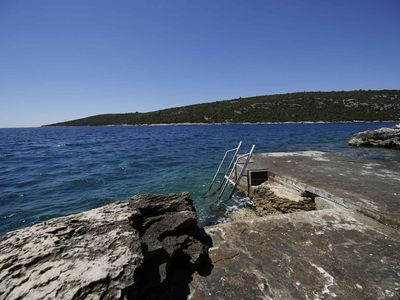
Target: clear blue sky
[[64, 59]]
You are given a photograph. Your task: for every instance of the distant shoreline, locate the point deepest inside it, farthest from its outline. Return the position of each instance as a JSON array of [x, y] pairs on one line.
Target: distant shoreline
[[292, 108], [227, 124]]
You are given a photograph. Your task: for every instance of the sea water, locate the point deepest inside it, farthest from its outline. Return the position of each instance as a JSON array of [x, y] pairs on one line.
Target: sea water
[[51, 172]]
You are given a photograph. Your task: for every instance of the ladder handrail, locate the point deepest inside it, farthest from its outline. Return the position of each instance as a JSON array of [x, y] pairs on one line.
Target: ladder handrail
[[227, 178], [222, 161], [230, 167], [225, 181], [242, 172]]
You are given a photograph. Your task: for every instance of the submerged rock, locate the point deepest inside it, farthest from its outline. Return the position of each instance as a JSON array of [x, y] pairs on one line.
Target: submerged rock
[[383, 137], [146, 247], [245, 213]]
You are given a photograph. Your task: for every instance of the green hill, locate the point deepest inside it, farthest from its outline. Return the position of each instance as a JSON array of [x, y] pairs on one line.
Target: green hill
[[382, 105]]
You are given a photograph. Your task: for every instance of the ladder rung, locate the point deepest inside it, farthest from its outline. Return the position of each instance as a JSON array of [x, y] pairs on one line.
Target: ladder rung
[[230, 180]]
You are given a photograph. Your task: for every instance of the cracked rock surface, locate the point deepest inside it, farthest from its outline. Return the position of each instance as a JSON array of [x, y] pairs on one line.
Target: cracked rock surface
[[383, 137], [326, 254], [137, 249]]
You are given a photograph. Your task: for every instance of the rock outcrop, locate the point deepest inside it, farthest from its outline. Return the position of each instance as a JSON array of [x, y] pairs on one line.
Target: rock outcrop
[[146, 247], [383, 137]]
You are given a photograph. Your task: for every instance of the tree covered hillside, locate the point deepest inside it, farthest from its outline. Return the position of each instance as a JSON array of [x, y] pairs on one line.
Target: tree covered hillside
[[359, 105]]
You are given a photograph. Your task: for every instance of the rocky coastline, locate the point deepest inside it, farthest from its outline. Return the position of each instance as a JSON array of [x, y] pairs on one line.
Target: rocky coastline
[[382, 137], [150, 247], [145, 248]]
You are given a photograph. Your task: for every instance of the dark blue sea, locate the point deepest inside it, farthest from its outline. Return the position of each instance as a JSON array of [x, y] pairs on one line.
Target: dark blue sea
[[51, 172]]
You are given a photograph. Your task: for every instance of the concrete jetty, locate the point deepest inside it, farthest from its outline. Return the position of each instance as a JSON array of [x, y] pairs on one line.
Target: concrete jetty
[[347, 247], [369, 187]]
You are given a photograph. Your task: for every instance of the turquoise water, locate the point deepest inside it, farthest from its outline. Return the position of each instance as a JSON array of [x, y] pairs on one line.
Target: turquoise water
[[50, 172]]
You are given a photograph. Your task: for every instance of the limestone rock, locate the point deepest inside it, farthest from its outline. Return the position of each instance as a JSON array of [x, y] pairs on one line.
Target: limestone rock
[[326, 254], [245, 213], [267, 201], [141, 248], [383, 137]]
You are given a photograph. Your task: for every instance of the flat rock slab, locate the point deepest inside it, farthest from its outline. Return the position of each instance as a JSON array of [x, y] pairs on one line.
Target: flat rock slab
[[370, 187], [326, 254]]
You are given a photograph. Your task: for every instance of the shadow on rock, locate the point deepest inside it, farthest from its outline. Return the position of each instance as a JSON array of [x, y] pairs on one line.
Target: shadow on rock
[[173, 247]]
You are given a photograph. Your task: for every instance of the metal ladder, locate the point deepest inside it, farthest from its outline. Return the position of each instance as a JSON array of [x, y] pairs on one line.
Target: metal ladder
[[229, 171]]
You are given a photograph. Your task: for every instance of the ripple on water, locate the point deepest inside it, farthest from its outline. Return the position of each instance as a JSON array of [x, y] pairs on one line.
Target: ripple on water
[[49, 172]]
